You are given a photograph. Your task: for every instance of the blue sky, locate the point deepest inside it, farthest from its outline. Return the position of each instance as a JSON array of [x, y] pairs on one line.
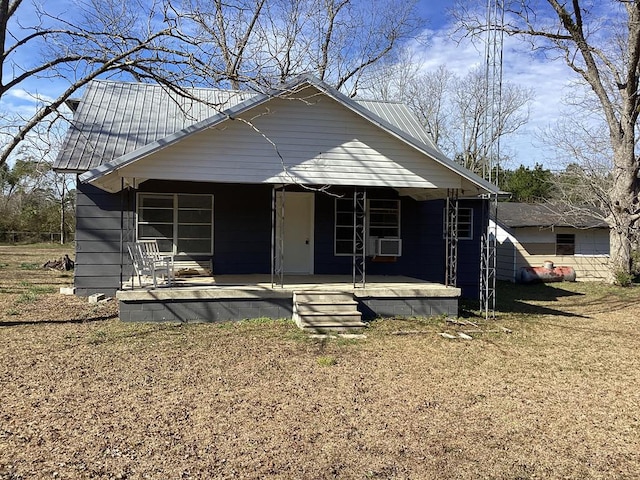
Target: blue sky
[[549, 80]]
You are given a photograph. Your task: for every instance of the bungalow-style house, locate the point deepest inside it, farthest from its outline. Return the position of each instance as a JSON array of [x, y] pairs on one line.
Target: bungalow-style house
[[529, 235], [272, 193]]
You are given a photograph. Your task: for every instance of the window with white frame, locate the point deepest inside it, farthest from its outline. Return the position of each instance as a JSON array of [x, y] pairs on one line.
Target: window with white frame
[[465, 223], [383, 220], [181, 223]]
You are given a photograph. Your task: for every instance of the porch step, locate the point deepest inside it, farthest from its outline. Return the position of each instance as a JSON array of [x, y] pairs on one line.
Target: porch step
[[326, 311], [327, 308], [324, 297]]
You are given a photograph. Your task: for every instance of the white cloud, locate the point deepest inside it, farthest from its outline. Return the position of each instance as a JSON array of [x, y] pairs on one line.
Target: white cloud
[[34, 97], [548, 79], [442, 49]]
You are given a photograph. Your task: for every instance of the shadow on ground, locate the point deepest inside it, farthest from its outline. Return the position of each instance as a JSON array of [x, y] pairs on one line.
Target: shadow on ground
[[524, 299], [16, 323]]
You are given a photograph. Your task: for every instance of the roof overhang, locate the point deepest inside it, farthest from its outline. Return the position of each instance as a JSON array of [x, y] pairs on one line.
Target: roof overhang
[[112, 177]]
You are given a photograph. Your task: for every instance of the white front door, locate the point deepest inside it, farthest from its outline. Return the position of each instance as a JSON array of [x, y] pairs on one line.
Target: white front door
[[298, 232]]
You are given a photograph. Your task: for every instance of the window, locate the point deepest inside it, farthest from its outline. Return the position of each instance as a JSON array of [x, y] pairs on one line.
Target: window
[[465, 223], [565, 244], [344, 227], [181, 223], [383, 220]]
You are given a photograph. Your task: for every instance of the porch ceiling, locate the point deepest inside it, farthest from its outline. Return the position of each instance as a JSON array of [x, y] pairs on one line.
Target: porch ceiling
[[115, 184]]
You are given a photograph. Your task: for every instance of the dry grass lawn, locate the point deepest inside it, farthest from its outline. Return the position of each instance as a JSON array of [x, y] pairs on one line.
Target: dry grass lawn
[[86, 396]]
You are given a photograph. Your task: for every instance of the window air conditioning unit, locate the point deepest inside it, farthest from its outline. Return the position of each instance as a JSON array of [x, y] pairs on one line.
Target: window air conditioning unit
[[388, 247]]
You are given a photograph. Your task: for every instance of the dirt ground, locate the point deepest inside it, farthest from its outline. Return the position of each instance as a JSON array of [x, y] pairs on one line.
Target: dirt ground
[[83, 395]]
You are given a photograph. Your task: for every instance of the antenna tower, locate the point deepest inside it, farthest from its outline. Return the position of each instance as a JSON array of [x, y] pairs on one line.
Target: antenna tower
[[494, 36]]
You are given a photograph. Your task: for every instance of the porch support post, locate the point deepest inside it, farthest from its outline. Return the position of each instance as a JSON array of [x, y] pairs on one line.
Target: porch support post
[[277, 237], [359, 237], [451, 238], [488, 257], [122, 194], [127, 225]]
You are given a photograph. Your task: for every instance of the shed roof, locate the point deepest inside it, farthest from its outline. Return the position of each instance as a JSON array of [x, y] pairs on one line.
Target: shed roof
[[518, 215]]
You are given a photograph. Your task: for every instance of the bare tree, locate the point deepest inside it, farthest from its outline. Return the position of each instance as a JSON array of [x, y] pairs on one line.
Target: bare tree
[[103, 37], [223, 39], [453, 108], [584, 160], [266, 42], [428, 95], [470, 107], [180, 43], [355, 35], [600, 42], [283, 41]]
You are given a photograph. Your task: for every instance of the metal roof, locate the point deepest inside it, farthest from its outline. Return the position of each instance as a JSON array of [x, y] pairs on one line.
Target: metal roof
[[116, 118], [399, 115], [518, 215]]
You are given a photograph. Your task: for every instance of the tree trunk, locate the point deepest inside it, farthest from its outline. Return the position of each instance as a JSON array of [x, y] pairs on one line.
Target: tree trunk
[[623, 216], [620, 253]]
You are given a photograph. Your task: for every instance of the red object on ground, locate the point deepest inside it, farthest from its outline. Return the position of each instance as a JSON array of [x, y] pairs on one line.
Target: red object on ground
[[548, 273]]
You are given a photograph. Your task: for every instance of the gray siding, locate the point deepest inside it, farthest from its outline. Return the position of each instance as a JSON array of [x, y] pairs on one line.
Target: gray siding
[[506, 268], [98, 239]]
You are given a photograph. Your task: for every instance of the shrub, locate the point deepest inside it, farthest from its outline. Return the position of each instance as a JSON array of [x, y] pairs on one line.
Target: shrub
[[622, 278]]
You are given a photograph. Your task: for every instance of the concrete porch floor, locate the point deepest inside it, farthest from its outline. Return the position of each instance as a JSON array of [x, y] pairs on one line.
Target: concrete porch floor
[[259, 285], [236, 297]]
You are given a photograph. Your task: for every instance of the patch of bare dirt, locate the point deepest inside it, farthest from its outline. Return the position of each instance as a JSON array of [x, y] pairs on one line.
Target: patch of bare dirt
[[87, 396]]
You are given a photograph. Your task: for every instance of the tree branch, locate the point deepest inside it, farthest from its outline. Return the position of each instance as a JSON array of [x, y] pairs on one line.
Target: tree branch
[[118, 62]]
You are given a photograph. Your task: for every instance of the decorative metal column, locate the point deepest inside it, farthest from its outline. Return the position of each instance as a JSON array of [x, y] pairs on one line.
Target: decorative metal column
[[359, 237], [488, 260], [451, 238], [277, 236], [127, 228]]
